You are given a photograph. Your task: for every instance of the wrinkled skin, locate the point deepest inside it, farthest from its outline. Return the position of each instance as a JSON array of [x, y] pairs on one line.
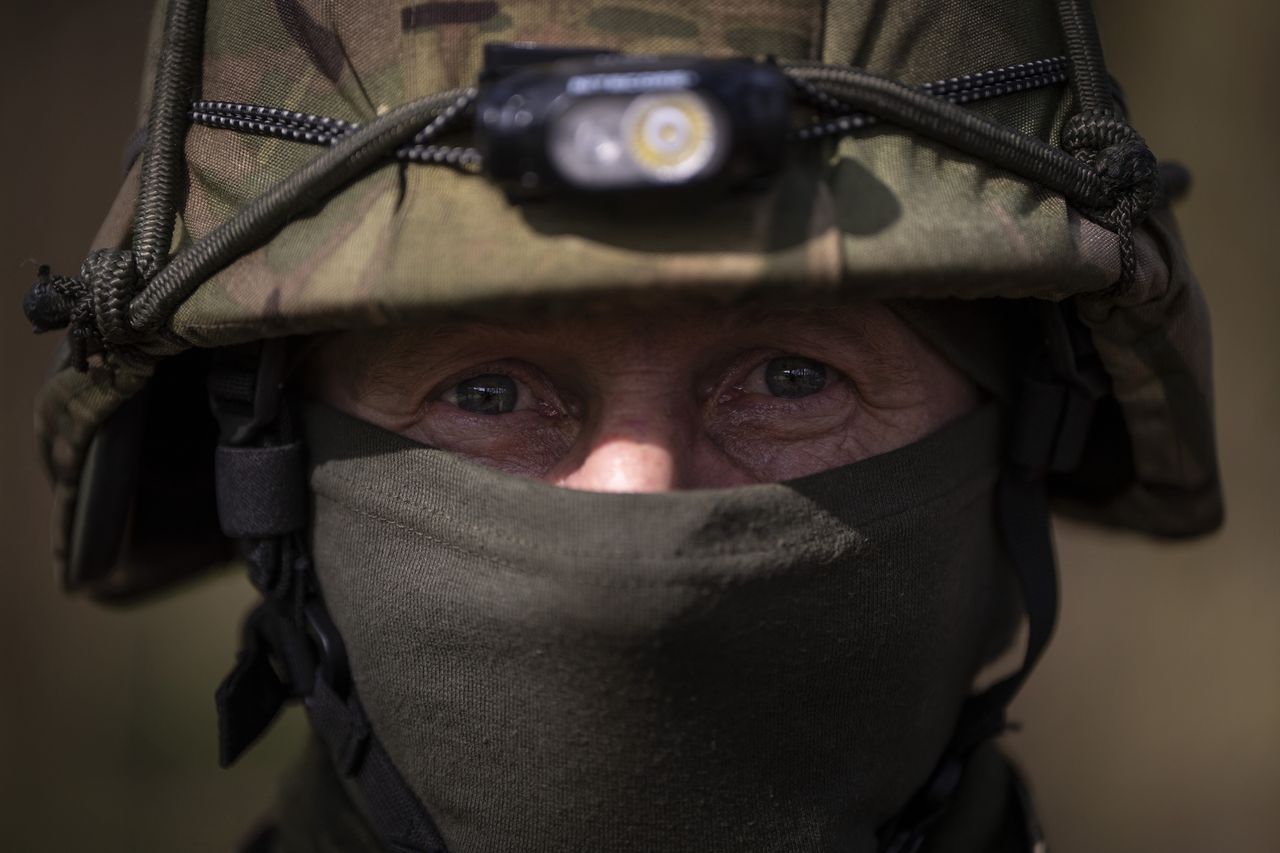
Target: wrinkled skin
[[673, 394]]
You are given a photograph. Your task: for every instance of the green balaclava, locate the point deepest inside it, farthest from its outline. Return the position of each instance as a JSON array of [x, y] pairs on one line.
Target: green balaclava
[[768, 668]]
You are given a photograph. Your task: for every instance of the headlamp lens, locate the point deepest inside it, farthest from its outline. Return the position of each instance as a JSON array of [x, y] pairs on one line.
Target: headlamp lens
[[613, 140], [585, 143], [671, 137]]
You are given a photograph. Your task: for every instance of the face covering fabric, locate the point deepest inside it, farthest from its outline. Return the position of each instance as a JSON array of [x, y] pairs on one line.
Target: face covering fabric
[[766, 668]]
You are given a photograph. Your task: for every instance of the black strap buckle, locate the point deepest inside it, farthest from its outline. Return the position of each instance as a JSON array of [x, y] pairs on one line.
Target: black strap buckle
[[252, 694], [279, 660], [330, 653]]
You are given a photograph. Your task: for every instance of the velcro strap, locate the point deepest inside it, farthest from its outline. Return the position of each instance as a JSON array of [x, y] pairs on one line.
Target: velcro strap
[[262, 491], [1073, 431], [1051, 428], [1039, 421]]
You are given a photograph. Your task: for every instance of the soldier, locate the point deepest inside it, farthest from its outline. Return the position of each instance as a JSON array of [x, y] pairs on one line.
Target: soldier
[[640, 419]]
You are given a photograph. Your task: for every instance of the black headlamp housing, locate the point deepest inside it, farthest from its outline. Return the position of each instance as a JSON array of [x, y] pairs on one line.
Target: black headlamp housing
[[609, 123]]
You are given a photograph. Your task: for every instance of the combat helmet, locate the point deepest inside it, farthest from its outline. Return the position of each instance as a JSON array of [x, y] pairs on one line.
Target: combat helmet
[[309, 167]]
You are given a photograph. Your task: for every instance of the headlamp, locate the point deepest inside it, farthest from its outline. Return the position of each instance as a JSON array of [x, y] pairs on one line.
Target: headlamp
[[610, 123]]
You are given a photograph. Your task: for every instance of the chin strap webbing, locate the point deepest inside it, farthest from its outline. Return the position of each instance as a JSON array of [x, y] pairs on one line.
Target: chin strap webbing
[[290, 648], [1050, 423]]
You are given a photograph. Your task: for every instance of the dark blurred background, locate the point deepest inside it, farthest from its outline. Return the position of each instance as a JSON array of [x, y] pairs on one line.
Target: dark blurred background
[[1152, 725]]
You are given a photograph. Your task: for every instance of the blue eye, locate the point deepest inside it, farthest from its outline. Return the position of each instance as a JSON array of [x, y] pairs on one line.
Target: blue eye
[[488, 394], [793, 376]]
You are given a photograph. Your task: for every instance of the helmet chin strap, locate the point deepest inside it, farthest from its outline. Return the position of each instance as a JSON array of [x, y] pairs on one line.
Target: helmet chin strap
[[290, 648], [1049, 426]]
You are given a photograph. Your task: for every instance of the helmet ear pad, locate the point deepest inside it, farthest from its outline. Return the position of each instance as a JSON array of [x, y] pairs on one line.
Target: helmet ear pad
[[145, 513], [987, 339]]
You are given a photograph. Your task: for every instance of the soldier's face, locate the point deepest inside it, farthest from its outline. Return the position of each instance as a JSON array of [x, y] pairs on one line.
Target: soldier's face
[[675, 394]]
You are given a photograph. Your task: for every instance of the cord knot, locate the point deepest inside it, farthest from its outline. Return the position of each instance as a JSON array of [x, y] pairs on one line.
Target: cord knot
[[113, 276], [93, 307], [1128, 169], [51, 301]]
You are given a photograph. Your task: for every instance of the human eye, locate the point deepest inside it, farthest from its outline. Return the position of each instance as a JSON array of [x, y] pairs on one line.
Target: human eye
[[507, 414], [784, 378], [790, 376], [778, 398], [489, 394]]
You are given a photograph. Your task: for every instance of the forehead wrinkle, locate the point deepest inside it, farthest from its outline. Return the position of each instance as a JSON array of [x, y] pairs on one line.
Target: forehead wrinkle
[[846, 325], [388, 356], [840, 323]]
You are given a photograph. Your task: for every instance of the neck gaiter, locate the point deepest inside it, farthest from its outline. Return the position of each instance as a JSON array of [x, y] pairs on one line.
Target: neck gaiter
[[764, 668]]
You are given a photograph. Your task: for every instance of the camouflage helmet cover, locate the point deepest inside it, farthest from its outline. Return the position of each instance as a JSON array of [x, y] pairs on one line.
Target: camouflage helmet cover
[[885, 213]]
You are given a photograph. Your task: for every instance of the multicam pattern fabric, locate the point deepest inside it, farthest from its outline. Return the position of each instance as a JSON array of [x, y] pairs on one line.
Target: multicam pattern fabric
[[866, 216], [885, 213]]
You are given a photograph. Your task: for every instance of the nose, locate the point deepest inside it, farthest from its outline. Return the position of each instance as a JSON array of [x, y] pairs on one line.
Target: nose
[[643, 458]]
